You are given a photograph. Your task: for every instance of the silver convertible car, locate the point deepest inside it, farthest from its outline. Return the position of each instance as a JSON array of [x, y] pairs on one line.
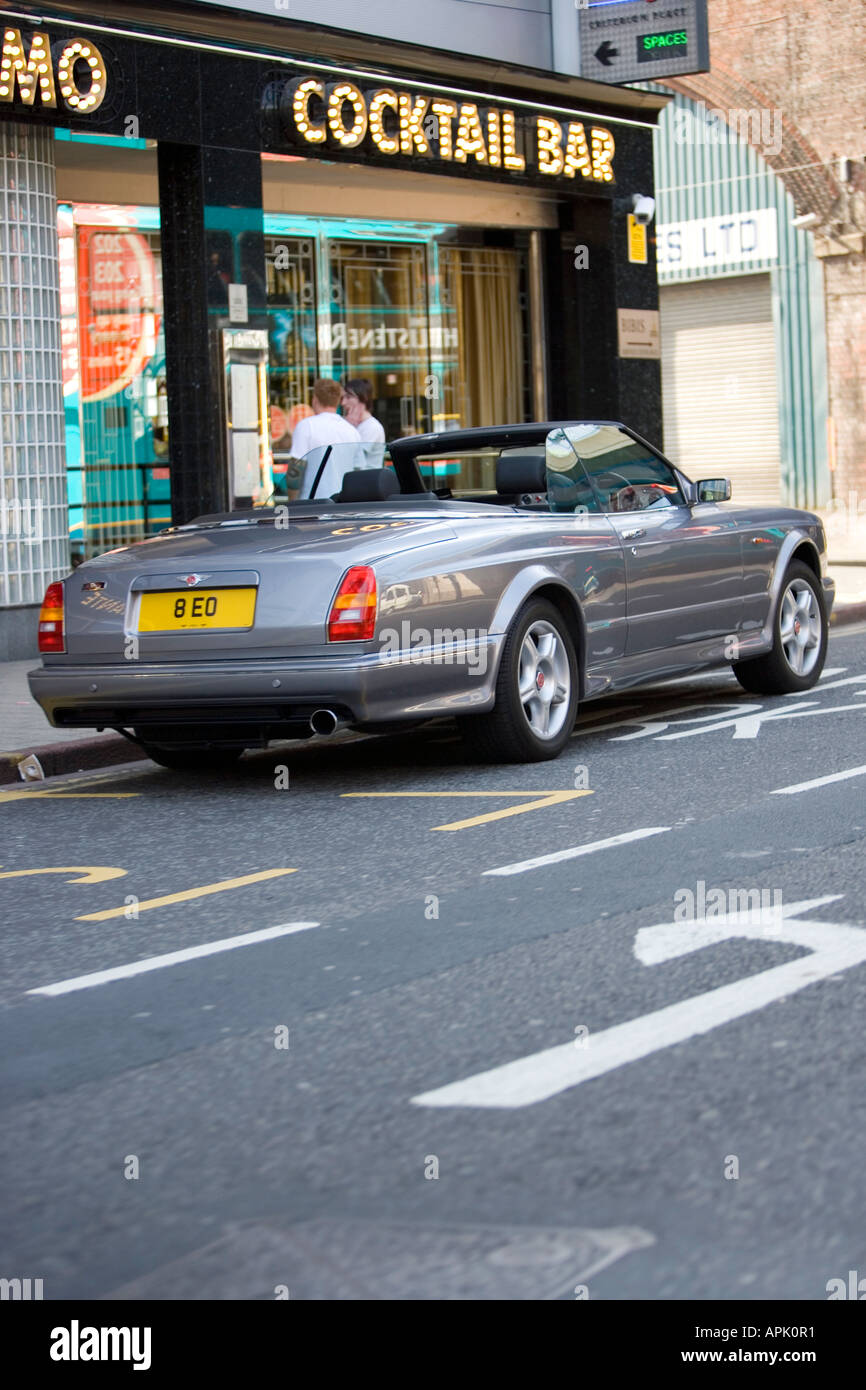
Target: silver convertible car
[[499, 576]]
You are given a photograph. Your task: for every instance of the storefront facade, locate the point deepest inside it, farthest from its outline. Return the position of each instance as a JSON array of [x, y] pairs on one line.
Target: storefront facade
[[241, 210], [741, 300]]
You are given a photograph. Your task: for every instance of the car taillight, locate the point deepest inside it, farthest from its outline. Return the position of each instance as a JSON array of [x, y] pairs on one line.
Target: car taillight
[[353, 615], [51, 620]]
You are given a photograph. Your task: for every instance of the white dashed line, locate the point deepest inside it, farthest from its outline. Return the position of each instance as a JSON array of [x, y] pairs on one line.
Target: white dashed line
[[576, 851], [140, 967], [820, 781]]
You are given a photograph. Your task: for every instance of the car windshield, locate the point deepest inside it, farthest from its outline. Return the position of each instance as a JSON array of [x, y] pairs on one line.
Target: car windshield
[[568, 487], [601, 467], [467, 472], [320, 471]]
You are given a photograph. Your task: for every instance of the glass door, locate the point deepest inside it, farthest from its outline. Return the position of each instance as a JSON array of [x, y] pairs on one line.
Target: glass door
[[485, 336]]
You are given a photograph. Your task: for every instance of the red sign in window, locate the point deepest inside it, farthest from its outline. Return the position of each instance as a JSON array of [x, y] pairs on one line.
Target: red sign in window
[[117, 296]]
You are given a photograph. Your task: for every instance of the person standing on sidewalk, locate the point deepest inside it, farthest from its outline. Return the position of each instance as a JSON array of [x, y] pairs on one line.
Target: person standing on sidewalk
[[356, 401], [321, 430]]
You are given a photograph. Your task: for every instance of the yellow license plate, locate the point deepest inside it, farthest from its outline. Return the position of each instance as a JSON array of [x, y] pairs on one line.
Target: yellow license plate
[[194, 608]]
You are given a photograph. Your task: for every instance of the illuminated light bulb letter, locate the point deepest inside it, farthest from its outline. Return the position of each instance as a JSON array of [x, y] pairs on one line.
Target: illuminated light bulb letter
[[312, 133], [342, 93], [577, 152], [73, 96], [550, 156], [494, 138], [412, 137], [513, 160], [602, 154], [14, 68], [470, 135], [446, 111], [388, 144]]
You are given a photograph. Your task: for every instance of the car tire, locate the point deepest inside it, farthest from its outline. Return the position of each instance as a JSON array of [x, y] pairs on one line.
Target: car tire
[[538, 654], [192, 759], [791, 664]]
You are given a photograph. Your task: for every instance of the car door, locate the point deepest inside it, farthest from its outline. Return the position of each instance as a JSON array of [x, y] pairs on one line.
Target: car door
[[683, 563]]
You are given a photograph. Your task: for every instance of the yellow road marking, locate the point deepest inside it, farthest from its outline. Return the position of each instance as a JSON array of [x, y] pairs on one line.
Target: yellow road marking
[[551, 799], [70, 780], [186, 895], [544, 799], [100, 874]]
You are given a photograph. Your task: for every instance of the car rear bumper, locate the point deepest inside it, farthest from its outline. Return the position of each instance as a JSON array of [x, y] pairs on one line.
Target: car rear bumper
[[274, 695]]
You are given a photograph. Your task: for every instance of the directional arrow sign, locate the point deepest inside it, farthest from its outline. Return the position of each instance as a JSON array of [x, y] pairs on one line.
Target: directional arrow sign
[[832, 948], [605, 53], [633, 41]]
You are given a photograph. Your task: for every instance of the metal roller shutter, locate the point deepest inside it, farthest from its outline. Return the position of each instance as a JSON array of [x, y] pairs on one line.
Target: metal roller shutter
[[719, 396]]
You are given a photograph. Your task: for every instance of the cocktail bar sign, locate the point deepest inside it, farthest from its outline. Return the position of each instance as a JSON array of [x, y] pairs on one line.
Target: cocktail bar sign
[[316, 115]]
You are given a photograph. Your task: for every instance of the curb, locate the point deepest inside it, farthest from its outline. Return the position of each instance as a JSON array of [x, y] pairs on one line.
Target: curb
[[845, 613], [78, 755], [106, 750]]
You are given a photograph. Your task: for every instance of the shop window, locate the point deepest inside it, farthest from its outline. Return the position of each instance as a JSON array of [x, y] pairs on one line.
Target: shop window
[[293, 358], [484, 368], [114, 385], [379, 329]]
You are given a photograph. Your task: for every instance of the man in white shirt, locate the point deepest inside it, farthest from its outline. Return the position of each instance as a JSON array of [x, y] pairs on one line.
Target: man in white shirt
[[356, 403], [316, 432]]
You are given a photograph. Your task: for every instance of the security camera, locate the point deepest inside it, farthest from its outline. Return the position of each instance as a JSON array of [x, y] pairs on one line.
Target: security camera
[[643, 209], [805, 220]]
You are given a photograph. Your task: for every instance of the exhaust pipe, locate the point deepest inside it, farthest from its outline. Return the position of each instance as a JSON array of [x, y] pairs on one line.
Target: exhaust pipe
[[324, 722]]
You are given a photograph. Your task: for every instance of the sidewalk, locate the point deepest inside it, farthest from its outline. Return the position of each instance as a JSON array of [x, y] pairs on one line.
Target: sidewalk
[[845, 529], [25, 730]]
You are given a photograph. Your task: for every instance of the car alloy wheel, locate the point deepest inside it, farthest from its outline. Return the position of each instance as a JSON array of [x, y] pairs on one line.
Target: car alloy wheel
[[544, 680], [536, 691], [799, 624], [801, 627]]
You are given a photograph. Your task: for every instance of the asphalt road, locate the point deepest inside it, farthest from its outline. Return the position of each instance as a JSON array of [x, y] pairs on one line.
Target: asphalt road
[[675, 1113]]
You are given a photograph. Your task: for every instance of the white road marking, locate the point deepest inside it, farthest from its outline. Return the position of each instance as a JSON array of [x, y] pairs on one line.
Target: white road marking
[[820, 781], [140, 967], [749, 726], [524, 865], [824, 684], [832, 948], [655, 721]]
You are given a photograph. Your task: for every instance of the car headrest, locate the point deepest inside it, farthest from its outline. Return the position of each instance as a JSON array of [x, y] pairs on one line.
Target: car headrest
[[368, 485], [521, 472]]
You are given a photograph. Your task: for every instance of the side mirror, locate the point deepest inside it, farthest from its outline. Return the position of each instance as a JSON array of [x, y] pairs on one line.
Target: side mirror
[[713, 490]]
